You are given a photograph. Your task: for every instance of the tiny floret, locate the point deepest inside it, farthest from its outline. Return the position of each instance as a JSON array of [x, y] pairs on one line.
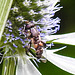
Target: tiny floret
[[39, 3], [20, 18], [31, 12], [26, 3], [15, 9]]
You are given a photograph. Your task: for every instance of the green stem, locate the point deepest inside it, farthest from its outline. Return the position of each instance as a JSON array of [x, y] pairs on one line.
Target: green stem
[[8, 67]]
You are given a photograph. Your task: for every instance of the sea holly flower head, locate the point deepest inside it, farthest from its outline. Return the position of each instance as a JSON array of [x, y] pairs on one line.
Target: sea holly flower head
[[37, 12]]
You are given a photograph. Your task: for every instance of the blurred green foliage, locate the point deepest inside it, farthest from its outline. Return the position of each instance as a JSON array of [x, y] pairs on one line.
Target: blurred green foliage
[[67, 15]]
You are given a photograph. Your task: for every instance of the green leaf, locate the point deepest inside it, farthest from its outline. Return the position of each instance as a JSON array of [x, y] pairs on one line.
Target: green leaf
[[5, 6]]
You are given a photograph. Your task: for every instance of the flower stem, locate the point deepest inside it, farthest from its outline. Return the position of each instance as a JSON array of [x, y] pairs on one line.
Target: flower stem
[[8, 67]]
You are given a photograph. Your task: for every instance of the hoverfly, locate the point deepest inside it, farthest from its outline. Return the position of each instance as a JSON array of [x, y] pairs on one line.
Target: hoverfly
[[33, 34]]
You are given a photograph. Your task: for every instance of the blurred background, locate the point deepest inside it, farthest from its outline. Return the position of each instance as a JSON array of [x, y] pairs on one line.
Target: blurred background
[[67, 16], [67, 25]]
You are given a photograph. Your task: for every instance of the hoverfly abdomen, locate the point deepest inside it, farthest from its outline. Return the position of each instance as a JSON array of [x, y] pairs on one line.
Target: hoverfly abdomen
[[39, 53]]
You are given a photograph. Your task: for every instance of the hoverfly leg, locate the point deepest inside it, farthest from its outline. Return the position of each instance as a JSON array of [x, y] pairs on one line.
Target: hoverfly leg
[[43, 59], [28, 47]]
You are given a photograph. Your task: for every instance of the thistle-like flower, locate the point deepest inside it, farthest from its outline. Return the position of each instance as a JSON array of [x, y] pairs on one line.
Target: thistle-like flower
[[31, 24]]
